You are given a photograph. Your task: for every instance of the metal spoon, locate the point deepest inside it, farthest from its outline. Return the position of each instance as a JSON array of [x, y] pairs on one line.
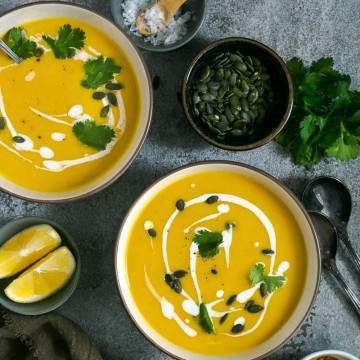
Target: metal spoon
[[332, 198], [9, 52], [328, 240]]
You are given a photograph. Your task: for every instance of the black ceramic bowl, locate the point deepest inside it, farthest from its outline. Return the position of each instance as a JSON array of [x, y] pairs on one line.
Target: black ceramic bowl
[[279, 111]]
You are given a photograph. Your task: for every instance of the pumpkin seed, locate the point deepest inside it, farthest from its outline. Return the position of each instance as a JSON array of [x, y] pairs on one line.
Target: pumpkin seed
[[152, 232], [263, 289], [268, 251], [180, 204], [2, 122], [180, 273], [39, 51], [104, 111], [231, 299], [212, 199], [254, 308], [237, 328], [248, 303], [112, 98], [205, 73], [98, 95], [173, 283], [118, 86], [18, 139], [223, 318]]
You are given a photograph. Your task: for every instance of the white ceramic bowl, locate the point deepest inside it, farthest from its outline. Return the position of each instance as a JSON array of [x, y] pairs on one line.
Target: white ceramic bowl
[[312, 250], [341, 355], [41, 10]]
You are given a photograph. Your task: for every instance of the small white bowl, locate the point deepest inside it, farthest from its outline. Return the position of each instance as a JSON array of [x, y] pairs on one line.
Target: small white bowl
[[341, 355], [49, 9], [306, 299]]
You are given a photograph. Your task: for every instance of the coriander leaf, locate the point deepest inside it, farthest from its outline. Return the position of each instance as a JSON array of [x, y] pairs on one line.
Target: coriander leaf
[[346, 147], [274, 282], [322, 64], [17, 41], [208, 242], [97, 136], [310, 126], [99, 72], [256, 273], [205, 319], [325, 120], [67, 40], [297, 69]]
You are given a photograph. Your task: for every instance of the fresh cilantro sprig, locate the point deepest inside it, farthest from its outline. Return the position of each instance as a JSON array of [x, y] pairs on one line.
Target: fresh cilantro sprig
[[67, 41], [325, 120], [97, 136], [18, 42], [99, 72], [257, 275], [208, 242], [205, 319]]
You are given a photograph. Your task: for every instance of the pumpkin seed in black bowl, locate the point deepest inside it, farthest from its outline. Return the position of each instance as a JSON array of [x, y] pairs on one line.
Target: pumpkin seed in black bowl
[[237, 94]]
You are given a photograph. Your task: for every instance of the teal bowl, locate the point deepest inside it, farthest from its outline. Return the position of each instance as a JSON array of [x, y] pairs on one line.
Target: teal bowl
[[198, 9], [59, 298]]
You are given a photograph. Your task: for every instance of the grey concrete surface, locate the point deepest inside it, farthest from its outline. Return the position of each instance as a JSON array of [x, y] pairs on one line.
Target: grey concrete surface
[[306, 28]]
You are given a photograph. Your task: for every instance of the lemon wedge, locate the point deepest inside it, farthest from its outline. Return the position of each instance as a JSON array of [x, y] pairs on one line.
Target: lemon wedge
[[26, 247], [44, 278]]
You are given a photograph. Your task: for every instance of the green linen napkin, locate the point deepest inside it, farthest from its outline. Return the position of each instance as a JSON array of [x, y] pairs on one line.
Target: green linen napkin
[[45, 337]]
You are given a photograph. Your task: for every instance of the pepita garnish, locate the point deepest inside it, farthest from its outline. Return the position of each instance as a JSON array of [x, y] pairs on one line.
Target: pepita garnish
[[39, 51], [268, 251], [114, 86], [2, 122], [263, 289], [231, 94], [231, 299], [104, 111], [18, 139], [180, 273], [173, 282], [180, 204], [152, 232], [112, 98], [237, 328], [212, 199], [98, 95], [253, 308], [223, 318]]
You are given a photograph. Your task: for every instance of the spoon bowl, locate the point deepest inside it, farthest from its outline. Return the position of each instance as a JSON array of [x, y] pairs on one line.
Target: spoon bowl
[[327, 235], [329, 196]]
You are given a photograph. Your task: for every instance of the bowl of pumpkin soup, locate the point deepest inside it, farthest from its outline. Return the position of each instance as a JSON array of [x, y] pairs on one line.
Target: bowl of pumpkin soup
[[217, 260], [75, 112]]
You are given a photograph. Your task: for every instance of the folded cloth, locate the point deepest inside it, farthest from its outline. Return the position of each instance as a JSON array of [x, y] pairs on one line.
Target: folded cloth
[[45, 337]]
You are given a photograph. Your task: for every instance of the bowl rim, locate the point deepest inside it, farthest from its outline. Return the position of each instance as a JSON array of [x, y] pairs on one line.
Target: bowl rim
[[330, 352], [117, 174], [218, 162], [285, 117], [69, 242], [177, 45]]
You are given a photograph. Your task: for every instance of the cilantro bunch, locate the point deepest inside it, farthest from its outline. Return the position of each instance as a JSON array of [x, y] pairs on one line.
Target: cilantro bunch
[[325, 120]]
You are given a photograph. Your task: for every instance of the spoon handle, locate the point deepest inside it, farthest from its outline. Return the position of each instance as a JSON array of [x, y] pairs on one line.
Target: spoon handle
[[350, 294], [9, 52], [345, 239]]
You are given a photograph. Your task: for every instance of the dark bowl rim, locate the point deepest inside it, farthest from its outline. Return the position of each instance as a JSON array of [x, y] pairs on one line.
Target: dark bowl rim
[[143, 137], [284, 118], [242, 165], [177, 45], [72, 283]]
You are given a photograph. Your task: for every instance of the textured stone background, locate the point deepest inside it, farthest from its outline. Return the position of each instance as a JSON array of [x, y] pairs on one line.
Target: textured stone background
[[306, 28]]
